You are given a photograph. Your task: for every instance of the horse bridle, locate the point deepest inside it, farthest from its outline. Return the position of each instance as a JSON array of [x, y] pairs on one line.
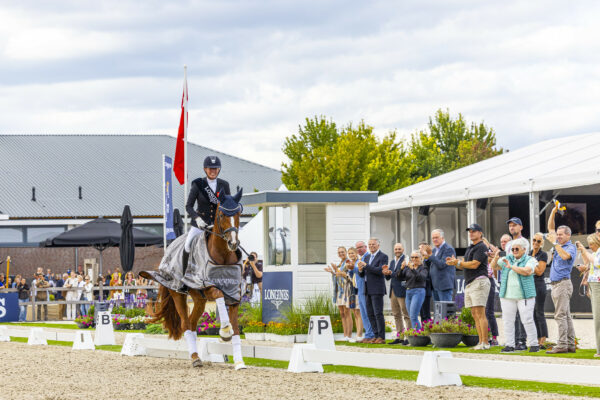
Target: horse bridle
[[226, 231]]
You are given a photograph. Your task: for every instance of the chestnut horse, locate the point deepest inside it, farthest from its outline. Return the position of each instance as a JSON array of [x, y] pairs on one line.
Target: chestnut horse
[[172, 308]]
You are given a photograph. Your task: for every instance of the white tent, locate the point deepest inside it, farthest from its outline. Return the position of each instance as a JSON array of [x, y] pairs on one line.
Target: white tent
[[569, 165], [549, 165]]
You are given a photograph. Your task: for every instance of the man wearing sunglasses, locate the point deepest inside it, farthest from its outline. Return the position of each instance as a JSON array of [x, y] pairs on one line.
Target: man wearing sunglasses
[[477, 284]]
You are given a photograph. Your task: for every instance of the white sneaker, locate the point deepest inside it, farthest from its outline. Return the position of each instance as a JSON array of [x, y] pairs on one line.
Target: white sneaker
[[359, 339], [478, 347], [485, 346], [346, 339], [352, 340]]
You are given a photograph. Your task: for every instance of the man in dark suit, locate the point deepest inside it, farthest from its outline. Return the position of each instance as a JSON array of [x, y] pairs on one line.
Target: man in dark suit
[[374, 271], [442, 275], [398, 294]]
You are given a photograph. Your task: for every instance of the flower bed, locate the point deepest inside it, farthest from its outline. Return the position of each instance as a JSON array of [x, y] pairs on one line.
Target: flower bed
[[208, 325], [84, 322]]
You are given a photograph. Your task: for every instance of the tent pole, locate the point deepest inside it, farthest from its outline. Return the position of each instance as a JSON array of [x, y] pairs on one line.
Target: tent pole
[[100, 293], [534, 213]]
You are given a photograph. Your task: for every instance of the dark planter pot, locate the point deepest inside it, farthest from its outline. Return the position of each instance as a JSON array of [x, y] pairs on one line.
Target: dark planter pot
[[470, 340], [82, 326], [419, 341], [211, 331], [122, 327], [138, 326], [445, 339]]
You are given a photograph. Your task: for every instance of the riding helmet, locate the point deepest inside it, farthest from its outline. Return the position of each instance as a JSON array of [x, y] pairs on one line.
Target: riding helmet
[[212, 162]]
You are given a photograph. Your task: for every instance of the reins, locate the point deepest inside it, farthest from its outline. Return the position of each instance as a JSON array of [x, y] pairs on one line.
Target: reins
[[222, 235]]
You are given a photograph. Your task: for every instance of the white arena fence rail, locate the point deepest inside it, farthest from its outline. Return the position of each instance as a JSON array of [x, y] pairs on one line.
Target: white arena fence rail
[[435, 367]]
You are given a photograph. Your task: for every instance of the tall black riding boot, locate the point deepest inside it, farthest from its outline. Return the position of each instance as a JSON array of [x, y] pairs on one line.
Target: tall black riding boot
[[184, 260]]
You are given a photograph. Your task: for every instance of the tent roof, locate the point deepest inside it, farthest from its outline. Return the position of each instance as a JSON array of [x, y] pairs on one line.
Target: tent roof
[[566, 162]]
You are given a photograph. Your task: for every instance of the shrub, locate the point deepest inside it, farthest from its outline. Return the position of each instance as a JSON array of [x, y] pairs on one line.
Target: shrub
[[135, 312], [254, 327], [415, 332], [155, 329], [467, 317]]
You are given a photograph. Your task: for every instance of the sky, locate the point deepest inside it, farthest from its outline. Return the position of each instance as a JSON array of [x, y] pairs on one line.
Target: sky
[[257, 69]]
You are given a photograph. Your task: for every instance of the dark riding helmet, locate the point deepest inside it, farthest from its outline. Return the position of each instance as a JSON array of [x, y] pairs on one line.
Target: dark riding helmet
[[212, 162]]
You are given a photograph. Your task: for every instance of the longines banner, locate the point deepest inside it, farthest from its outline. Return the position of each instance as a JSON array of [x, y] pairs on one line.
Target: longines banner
[[9, 307], [276, 294]]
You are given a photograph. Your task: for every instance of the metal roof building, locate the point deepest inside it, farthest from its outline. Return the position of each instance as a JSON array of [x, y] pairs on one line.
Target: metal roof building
[[68, 179]]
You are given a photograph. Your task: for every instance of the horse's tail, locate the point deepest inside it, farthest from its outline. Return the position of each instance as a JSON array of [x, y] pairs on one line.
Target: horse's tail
[[167, 314]]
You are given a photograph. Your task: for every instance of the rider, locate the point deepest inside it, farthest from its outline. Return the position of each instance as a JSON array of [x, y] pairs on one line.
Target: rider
[[205, 191]]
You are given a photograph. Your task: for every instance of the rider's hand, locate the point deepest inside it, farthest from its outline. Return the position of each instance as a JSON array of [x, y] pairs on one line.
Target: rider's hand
[[201, 224]]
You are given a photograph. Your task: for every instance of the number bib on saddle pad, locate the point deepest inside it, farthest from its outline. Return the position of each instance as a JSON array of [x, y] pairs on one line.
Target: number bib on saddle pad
[[201, 272]]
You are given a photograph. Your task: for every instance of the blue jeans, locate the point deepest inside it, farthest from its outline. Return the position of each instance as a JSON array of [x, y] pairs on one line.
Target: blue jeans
[[414, 302], [22, 310], [442, 295], [362, 305], [84, 308]]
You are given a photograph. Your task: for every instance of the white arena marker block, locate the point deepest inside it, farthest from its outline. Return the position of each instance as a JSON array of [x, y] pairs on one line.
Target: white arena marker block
[[83, 341], [297, 363], [37, 337], [133, 345], [429, 374], [205, 355], [104, 330], [4, 335], [320, 333]]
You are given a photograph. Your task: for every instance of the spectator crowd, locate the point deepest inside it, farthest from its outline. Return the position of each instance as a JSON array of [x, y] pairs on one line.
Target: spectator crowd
[[80, 287], [516, 265]]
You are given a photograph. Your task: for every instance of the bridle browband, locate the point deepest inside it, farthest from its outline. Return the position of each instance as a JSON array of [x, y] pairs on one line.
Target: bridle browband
[[226, 231]]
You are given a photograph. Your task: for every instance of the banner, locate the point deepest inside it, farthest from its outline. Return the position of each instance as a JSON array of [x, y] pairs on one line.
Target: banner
[[9, 307], [276, 294], [168, 198]]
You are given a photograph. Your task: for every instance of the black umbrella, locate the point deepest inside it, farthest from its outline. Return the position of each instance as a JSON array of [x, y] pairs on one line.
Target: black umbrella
[[177, 223], [100, 234], [126, 247]]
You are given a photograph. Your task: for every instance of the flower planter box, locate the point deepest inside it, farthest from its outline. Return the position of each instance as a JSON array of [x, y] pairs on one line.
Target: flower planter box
[[140, 326], [470, 340], [122, 327], [82, 326], [270, 337], [301, 338], [209, 331], [446, 339], [283, 338], [419, 341], [255, 336]]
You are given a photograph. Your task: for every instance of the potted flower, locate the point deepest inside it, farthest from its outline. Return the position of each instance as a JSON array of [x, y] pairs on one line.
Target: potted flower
[[417, 337], [208, 325], [84, 321], [254, 330], [121, 322], [470, 336], [138, 323], [445, 333]]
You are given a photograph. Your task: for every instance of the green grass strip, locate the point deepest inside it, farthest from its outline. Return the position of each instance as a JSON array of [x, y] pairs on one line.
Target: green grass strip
[[584, 354], [42, 325]]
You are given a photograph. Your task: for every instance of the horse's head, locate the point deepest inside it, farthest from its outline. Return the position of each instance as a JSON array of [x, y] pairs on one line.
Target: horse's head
[[227, 220]]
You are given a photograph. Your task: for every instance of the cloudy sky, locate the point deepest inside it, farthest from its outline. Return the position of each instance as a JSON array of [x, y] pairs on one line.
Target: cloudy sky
[[256, 69]]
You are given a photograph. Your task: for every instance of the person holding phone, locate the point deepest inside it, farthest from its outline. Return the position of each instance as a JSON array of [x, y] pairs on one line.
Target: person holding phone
[[253, 273], [415, 274]]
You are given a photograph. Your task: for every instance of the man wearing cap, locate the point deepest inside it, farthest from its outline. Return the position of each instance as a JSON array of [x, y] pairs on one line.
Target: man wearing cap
[[515, 227], [477, 284], [205, 191]]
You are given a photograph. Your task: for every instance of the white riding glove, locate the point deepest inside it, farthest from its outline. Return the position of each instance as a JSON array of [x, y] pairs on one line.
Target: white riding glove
[[201, 224]]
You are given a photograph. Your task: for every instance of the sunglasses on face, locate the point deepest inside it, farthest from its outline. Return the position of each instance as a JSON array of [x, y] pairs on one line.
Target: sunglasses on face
[[416, 258], [515, 250], [537, 241], [597, 230]]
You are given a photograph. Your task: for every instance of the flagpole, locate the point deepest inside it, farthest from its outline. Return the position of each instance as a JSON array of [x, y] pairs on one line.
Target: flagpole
[[185, 152]]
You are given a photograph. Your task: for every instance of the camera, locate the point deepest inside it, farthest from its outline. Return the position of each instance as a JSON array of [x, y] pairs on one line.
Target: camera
[[251, 257]]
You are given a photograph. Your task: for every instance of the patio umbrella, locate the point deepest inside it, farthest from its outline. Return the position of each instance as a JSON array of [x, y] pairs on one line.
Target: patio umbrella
[[100, 233], [126, 247], [177, 223]]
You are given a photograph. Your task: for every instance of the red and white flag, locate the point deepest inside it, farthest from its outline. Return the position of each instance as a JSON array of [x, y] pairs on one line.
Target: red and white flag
[[179, 167]]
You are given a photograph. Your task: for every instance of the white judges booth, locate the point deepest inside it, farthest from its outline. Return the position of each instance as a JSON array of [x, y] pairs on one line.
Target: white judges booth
[[302, 230]]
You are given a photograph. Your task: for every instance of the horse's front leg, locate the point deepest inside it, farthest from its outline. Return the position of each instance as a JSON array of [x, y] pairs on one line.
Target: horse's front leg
[[189, 334], [236, 341], [226, 331]]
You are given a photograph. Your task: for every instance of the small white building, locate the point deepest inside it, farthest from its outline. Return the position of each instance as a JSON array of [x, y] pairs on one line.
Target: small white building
[[302, 230]]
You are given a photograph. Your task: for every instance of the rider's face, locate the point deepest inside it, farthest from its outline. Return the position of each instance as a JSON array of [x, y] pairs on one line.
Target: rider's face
[[212, 173]]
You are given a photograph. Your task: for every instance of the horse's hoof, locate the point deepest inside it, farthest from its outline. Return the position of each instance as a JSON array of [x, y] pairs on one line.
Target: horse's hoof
[[226, 333], [197, 363], [240, 365]]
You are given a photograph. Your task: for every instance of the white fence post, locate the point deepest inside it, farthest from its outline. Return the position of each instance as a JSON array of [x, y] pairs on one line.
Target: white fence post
[[429, 373], [298, 363]]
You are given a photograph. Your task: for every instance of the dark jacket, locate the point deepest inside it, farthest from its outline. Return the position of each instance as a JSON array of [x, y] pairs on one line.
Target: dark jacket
[[443, 276], [373, 273], [207, 200], [59, 293], [397, 285], [415, 278], [23, 291]]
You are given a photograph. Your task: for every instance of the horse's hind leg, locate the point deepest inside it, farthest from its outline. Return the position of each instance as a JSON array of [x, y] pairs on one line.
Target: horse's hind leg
[[236, 341], [189, 334], [226, 331], [198, 310]]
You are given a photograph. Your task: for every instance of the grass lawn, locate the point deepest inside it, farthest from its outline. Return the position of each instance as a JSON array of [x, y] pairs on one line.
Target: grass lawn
[[461, 348]]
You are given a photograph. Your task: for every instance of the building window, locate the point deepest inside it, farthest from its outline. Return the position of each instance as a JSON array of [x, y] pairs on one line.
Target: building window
[[11, 235], [311, 234], [37, 234], [156, 229], [279, 236]]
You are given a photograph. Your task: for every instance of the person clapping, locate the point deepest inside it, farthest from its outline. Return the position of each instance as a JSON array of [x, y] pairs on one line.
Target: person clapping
[[415, 274]]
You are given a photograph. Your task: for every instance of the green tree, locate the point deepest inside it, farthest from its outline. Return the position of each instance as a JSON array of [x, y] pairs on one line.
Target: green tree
[[448, 144], [353, 158]]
